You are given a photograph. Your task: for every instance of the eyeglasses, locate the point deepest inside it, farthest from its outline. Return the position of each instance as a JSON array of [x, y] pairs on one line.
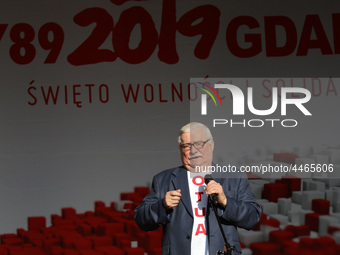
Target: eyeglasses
[[197, 145]]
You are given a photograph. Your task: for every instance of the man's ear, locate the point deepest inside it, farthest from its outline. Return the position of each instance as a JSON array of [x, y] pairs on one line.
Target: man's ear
[[212, 145]]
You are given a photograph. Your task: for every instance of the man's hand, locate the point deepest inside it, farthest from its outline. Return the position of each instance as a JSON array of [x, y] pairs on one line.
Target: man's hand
[[172, 198], [216, 188]]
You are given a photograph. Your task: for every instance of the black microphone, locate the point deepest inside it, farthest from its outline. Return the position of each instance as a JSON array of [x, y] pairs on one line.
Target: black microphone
[[213, 198]]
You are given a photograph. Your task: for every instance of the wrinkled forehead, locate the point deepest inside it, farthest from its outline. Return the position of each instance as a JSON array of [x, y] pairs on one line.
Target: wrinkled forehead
[[194, 135]]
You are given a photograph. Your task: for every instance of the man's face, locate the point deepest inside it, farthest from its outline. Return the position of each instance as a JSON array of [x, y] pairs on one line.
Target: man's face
[[191, 156]]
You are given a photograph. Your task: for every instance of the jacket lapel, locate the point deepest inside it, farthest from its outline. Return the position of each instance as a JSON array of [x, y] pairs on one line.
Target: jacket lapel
[[180, 181]]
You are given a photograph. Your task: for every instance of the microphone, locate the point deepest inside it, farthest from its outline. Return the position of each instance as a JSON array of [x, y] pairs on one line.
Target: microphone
[[213, 198]]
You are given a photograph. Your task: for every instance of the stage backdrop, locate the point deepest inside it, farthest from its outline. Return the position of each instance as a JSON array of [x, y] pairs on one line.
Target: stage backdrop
[[93, 93]]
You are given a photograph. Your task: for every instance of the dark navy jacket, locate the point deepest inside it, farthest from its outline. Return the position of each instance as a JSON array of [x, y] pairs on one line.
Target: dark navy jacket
[[241, 211]]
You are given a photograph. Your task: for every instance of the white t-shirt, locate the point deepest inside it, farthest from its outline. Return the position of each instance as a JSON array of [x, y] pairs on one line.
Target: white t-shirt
[[199, 203]]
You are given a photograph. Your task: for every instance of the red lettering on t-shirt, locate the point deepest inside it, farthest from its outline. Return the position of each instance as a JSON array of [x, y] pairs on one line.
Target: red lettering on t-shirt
[[200, 230], [203, 212], [198, 182], [199, 195]]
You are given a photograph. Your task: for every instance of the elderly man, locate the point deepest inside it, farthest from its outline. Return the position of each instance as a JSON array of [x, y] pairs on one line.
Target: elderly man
[[178, 201]]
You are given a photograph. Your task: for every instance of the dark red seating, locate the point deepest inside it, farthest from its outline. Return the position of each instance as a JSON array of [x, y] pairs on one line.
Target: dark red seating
[[265, 248], [312, 220], [273, 191], [302, 230], [288, 158], [321, 206]]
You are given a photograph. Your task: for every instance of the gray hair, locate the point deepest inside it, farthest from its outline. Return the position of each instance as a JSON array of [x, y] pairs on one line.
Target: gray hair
[[192, 126]]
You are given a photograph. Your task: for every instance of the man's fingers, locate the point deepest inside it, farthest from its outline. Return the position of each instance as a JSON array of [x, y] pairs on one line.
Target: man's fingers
[[216, 188], [213, 188], [175, 199], [175, 193], [172, 198]]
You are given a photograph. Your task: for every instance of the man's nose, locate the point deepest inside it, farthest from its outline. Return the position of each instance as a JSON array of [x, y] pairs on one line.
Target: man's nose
[[193, 150]]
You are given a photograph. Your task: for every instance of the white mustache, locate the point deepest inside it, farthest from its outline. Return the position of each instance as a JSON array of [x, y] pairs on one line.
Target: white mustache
[[198, 154]]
